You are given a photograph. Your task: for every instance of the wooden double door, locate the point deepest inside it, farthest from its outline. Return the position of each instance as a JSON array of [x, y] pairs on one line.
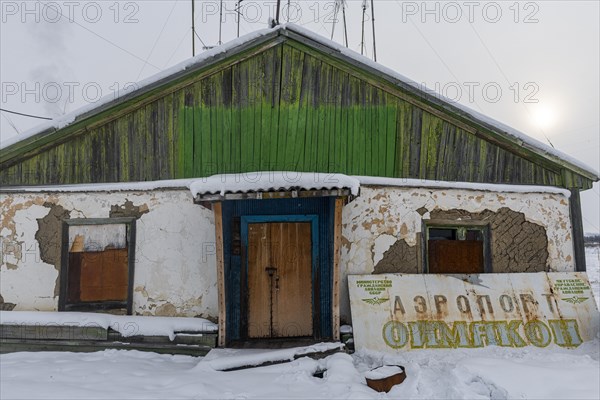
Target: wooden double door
[[281, 252]]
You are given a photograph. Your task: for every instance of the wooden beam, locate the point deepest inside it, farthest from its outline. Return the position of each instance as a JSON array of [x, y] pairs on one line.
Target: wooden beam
[[217, 209], [577, 230], [337, 242]]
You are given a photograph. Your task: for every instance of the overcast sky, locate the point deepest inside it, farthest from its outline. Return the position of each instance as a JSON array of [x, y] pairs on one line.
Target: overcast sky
[[532, 65]]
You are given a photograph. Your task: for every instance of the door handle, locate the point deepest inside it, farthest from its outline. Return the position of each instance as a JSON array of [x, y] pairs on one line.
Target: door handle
[[271, 271]]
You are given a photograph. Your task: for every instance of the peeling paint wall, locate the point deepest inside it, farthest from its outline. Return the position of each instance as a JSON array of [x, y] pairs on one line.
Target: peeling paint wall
[[382, 229], [175, 263], [175, 267], [516, 245]]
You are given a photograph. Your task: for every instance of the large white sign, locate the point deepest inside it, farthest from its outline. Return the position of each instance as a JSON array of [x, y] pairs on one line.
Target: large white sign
[[406, 311]]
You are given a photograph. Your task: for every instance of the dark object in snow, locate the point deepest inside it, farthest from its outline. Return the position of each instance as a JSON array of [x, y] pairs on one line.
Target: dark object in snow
[[382, 379], [319, 373]]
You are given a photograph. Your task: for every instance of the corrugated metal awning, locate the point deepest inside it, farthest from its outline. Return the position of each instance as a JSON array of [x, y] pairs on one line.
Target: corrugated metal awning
[[273, 184]]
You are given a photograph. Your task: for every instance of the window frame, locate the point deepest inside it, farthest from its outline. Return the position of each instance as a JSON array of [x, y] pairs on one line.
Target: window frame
[[482, 226], [130, 226]]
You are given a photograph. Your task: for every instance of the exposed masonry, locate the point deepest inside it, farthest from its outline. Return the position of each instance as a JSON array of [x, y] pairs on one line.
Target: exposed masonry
[[400, 258], [128, 210], [6, 306], [175, 270], [49, 234], [516, 244], [49, 237], [381, 230]]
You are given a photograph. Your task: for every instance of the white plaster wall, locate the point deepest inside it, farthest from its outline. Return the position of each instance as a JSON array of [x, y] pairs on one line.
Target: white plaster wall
[[175, 264], [380, 216], [175, 249]]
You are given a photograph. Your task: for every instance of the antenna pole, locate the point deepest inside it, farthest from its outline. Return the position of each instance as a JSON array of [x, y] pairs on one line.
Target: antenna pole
[[277, 12], [336, 10], [220, 21], [288, 11], [362, 36], [373, 22], [345, 27], [193, 31], [238, 17]]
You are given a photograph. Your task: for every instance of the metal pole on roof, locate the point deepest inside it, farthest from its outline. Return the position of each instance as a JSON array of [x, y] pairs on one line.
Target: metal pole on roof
[[288, 11], [345, 26], [277, 12], [220, 22], [336, 10], [362, 36], [373, 23], [239, 16], [193, 31]]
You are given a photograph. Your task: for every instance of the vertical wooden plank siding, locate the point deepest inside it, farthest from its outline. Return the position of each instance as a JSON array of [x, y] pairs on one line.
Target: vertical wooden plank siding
[[337, 243], [281, 109], [218, 214]]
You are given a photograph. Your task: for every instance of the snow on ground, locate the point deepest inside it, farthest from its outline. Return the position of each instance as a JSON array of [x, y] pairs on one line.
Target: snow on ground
[[224, 359], [494, 372], [490, 372]]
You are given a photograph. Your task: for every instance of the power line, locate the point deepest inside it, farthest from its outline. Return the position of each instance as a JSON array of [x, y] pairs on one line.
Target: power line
[[180, 42], [177, 48], [23, 114], [201, 41], [505, 77], [11, 123], [56, 9], [439, 57], [156, 41]]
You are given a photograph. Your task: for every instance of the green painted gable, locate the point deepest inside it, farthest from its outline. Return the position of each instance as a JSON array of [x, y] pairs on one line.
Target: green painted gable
[[281, 102]]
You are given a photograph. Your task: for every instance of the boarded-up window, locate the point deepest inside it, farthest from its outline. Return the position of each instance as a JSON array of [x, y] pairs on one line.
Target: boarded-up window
[[98, 265], [456, 250]]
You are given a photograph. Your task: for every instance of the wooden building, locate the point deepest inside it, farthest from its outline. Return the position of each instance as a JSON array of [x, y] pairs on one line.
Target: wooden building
[[97, 212]]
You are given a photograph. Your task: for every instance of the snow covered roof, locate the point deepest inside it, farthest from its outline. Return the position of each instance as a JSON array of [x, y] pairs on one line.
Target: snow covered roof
[[272, 181], [483, 187], [502, 131]]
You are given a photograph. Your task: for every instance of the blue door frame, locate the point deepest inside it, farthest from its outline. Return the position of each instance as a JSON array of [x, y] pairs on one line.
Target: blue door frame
[[320, 213]]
